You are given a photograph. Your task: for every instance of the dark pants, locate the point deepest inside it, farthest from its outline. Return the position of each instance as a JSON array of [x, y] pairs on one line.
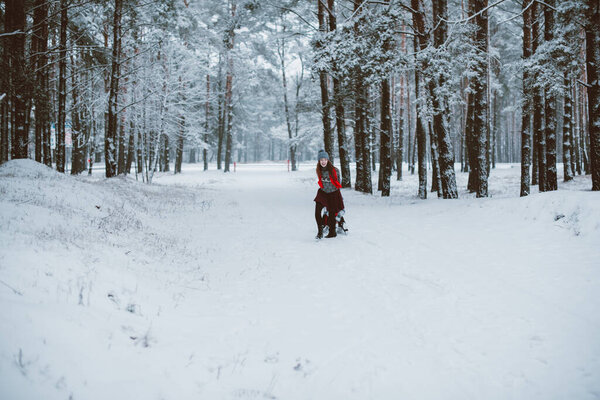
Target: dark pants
[[320, 220], [318, 210], [334, 203]]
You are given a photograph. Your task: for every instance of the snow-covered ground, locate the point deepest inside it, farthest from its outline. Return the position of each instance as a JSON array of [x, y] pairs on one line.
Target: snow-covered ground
[[210, 286]]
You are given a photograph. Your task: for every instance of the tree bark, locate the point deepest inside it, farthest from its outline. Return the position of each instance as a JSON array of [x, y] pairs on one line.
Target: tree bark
[[436, 179], [385, 151], [339, 112], [206, 123], [400, 130], [110, 140], [592, 38], [440, 116], [526, 106], [77, 135], [361, 134], [420, 136], [538, 132], [229, 91], [325, 106], [220, 114], [62, 88], [550, 107], [291, 145], [567, 130], [181, 134], [40, 49], [15, 24], [130, 147], [477, 121]]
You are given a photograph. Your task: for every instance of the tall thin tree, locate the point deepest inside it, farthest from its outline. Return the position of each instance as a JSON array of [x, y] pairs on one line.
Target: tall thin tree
[[440, 109], [62, 88], [39, 42], [420, 43], [361, 132], [526, 106], [567, 129], [592, 38], [550, 106], [110, 136], [339, 110], [229, 88], [328, 140], [477, 127]]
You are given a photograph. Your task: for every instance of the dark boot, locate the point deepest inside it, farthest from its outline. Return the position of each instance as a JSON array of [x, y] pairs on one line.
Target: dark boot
[[332, 233], [320, 232]]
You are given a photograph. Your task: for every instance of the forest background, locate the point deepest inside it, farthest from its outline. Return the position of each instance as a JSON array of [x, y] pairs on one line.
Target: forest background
[[135, 85]]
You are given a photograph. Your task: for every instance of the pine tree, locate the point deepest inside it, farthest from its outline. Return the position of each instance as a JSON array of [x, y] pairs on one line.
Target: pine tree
[[592, 38], [550, 107], [567, 129], [39, 43], [110, 136], [420, 43], [15, 28], [229, 43], [385, 150], [477, 127], [440, 116], [339, 110], [526, 106], [325, 106], [361, 101]]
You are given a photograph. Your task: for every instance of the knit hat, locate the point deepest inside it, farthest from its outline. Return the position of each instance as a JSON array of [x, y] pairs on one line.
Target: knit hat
[[323, 154]]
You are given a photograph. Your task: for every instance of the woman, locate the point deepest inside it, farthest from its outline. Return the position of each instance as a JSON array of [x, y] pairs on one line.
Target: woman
[[328, 197]]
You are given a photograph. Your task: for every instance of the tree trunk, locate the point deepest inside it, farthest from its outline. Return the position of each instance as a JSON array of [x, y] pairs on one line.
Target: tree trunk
[[229, 91], [526, 106], [400, 130], [122, 140], [4, 96], [181, 134], [179, 145], [420, 44], [440, 116], [339, 112], [166, 151], [40, 48], [130, 147], [325, 106], [220, 114], [206, 124], [592, 37], [62, 88], [110, 139], [538, 133], [15, 24], [385, 151], [567, 129], [291, 145], [550, 107], [436, 179], [78, 137], [361, 134], [477, 127]]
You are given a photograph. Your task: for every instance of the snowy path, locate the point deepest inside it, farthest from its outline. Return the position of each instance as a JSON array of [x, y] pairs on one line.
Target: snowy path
[[467, 299], [420, 301]]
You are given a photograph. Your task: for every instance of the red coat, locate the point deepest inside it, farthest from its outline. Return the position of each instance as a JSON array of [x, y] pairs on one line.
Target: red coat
[[333, 178], [333, 201]]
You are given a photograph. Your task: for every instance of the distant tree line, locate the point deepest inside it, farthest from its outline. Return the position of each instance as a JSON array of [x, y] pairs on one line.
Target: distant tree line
[[143, 85], [434, 82]]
